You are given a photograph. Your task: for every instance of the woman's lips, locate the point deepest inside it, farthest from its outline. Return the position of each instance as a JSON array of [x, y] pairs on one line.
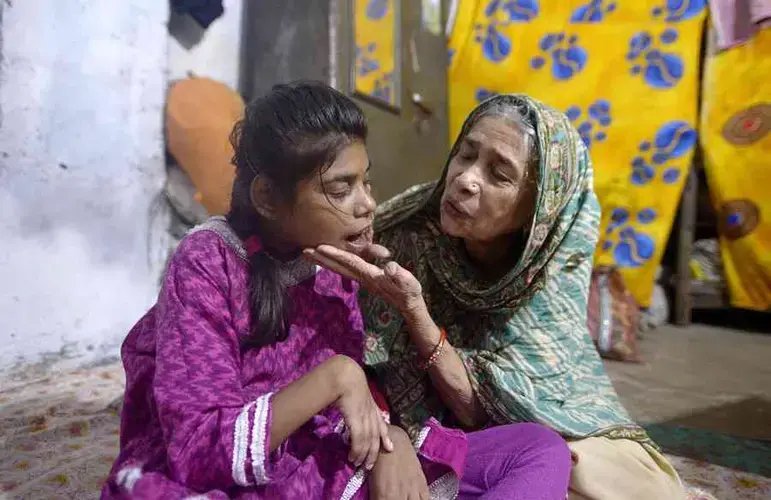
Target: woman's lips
[[453, 210]]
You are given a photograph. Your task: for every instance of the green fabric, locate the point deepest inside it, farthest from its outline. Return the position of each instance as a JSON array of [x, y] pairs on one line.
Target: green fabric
[[748, 455], [524, 338]]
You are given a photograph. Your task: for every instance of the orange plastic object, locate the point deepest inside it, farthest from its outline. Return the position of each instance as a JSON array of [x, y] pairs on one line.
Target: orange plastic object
[[200, 114]]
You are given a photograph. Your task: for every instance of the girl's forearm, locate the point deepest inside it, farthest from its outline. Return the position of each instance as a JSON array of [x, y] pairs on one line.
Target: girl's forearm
[[307, 396]]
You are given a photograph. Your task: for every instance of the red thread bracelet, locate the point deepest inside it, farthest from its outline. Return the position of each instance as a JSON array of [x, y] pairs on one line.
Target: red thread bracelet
[[436, 353]]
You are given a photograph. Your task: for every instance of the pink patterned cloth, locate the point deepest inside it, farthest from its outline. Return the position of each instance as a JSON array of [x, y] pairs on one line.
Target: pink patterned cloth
[[197, 406]]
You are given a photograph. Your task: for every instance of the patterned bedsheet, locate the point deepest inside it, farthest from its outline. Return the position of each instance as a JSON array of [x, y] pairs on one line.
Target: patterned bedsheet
[[59, 436]]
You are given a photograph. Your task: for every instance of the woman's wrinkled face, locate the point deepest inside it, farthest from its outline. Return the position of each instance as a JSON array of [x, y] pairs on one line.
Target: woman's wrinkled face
[[334, 208], [488, 192]]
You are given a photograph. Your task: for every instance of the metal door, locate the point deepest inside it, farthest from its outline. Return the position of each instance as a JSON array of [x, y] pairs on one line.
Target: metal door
[[285, 40], [406, 110]]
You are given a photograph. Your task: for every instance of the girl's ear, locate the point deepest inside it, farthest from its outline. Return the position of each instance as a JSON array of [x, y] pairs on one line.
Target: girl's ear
[[262, 200]]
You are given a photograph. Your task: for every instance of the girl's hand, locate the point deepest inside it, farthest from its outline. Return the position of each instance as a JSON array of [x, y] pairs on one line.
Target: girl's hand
[[367, 428], [393, 283], [398, 475]]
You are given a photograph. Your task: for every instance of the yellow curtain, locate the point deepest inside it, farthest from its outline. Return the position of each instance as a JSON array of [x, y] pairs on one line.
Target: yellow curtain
[[626, 73], [375, 23], [736, 121]]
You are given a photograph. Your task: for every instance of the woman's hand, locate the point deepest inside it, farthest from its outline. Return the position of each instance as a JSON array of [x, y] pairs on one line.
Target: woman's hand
[[398, 475], [362, 416], [393, 283]]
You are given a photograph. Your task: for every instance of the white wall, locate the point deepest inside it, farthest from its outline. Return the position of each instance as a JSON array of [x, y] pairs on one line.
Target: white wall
[[82, 87], [213, 53]]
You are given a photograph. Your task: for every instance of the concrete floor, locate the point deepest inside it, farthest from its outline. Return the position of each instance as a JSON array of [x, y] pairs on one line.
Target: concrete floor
[[701, 376]]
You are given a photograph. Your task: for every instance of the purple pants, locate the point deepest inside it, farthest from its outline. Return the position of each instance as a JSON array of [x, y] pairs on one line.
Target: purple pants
[[516, 462]]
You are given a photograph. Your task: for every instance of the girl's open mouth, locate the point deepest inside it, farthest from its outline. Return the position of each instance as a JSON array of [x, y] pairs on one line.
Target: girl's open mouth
[[357, 242]]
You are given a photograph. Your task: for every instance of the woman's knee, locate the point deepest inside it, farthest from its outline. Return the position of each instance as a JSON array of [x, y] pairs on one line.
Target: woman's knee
[[637, 471]]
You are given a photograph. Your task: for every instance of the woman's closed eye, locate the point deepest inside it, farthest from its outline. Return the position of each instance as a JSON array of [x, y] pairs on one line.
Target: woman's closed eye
[[500, 174], [467, 152]]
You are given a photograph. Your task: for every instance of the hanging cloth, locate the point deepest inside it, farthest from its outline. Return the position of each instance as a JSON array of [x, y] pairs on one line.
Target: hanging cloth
[[203, 11]]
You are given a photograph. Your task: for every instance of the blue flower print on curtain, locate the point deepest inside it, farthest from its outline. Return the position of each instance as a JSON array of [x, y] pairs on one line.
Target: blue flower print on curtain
[[594, 126], [497, 45], [483, 94], [567, 56], [377, 9], [673, 11], [672, 141], [521, 11], [365, 62], [659, 69], [631, 247], [383, 87], [593, 11]]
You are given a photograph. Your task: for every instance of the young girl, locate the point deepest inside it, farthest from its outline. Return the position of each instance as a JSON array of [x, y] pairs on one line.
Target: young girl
[[244, 379]]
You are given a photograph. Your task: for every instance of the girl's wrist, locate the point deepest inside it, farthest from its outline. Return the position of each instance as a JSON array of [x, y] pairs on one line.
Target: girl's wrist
[[343, 371]]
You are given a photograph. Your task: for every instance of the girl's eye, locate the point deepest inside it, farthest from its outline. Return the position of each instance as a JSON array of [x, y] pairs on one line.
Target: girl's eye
[[340, 194], [338, 190]]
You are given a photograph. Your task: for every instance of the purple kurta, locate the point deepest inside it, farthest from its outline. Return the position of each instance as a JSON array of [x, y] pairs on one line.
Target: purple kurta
[[197, 408]]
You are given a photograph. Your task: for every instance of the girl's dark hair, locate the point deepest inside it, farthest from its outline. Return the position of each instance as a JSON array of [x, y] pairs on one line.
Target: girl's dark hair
[[286, 136]]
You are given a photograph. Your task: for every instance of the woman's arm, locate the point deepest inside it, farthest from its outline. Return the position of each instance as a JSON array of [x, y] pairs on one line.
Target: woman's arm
[[400, 288], [448, 374]]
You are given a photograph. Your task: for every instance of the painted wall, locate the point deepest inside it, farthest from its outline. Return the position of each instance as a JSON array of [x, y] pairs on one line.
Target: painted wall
[[82, 87]]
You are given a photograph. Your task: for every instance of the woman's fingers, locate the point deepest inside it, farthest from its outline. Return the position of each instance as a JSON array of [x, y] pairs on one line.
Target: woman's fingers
[[331, 264], [375, 251], [344, 263], [401, 278], [349, 260], [396, 273], [359, 444], [393, 282], [347, 264], [385, 437], [374, 443]]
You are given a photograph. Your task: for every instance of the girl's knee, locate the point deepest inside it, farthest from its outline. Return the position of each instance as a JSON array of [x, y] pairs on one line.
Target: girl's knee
[[541, 442], [550, 442]]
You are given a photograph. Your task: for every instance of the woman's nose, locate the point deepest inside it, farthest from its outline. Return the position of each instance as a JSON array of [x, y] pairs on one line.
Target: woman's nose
[[468, 182]]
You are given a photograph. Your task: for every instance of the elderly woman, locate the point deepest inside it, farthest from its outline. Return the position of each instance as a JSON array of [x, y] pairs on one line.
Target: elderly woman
[[480, 317]]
